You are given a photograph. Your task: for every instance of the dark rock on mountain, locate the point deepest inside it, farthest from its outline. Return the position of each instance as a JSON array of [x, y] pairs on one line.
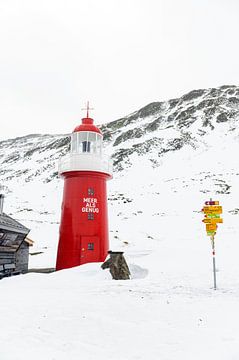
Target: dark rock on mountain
[[193, 95], [156, 129], [134, 133], [222, 117]]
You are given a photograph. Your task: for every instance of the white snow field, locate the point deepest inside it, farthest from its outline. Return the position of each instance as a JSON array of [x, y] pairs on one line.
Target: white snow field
[[168, 310], [169, 158]]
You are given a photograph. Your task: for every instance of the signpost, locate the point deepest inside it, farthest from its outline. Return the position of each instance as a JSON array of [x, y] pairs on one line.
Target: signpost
[[212, 211]]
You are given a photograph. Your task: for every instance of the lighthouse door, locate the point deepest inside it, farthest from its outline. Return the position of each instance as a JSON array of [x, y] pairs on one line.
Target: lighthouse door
[[89, 249]]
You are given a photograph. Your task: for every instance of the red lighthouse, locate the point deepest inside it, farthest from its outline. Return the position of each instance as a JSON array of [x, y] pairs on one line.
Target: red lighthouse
[[84, 221]]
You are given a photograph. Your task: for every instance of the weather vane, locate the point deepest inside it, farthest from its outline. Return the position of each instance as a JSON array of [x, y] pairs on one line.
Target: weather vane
[[87, 108]]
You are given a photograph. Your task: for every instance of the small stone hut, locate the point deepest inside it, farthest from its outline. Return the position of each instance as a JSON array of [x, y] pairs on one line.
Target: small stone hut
[[14, 245]]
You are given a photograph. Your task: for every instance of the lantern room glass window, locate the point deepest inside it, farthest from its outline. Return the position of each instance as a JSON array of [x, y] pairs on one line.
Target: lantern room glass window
[[83, 142], [86, 146]]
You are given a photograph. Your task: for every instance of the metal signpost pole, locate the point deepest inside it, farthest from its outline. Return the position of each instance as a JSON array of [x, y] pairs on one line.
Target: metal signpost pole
[[212, 211], [214, 262]]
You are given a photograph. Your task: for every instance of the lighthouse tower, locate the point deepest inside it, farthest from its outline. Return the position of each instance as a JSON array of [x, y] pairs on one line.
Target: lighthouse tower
[[84, 221]]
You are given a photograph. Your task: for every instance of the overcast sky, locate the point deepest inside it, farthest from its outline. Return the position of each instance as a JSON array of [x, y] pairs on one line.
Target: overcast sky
[[118, 54]]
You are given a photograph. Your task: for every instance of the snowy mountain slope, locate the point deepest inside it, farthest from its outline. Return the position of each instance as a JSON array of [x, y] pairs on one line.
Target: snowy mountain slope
[[154, 130], [162, 127], [181, 146], [168, 158]]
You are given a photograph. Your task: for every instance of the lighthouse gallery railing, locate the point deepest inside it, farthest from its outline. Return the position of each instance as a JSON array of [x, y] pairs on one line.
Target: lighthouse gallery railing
[[85, 162]]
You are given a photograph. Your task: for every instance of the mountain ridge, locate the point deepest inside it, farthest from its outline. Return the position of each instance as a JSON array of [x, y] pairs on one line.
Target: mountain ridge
[[174, 148], [166, 126]]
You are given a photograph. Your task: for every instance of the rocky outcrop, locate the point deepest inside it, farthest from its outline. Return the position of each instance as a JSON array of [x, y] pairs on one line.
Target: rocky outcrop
[[157, 129], [196, 114]]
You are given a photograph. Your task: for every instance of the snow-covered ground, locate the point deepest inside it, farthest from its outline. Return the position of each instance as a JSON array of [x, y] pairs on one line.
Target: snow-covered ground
[[82, 313], [171, 157], [168, 309]]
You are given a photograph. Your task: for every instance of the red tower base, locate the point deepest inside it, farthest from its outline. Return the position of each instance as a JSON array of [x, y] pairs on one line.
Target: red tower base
[[84, 219]]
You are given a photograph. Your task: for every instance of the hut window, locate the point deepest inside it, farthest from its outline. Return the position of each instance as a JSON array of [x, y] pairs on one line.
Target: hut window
[[1, 238], [8, 239]]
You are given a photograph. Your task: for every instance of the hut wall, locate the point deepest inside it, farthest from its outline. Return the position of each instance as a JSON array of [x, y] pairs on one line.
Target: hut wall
[[22, 258], [7, 257]]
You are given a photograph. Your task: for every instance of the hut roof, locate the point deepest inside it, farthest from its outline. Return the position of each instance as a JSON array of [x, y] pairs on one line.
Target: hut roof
[[8, 223]]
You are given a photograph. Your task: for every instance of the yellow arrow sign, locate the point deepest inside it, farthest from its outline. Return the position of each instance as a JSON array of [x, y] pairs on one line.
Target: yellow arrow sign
[[212, 208], [212, 212], [211, 227], [212, 221]]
